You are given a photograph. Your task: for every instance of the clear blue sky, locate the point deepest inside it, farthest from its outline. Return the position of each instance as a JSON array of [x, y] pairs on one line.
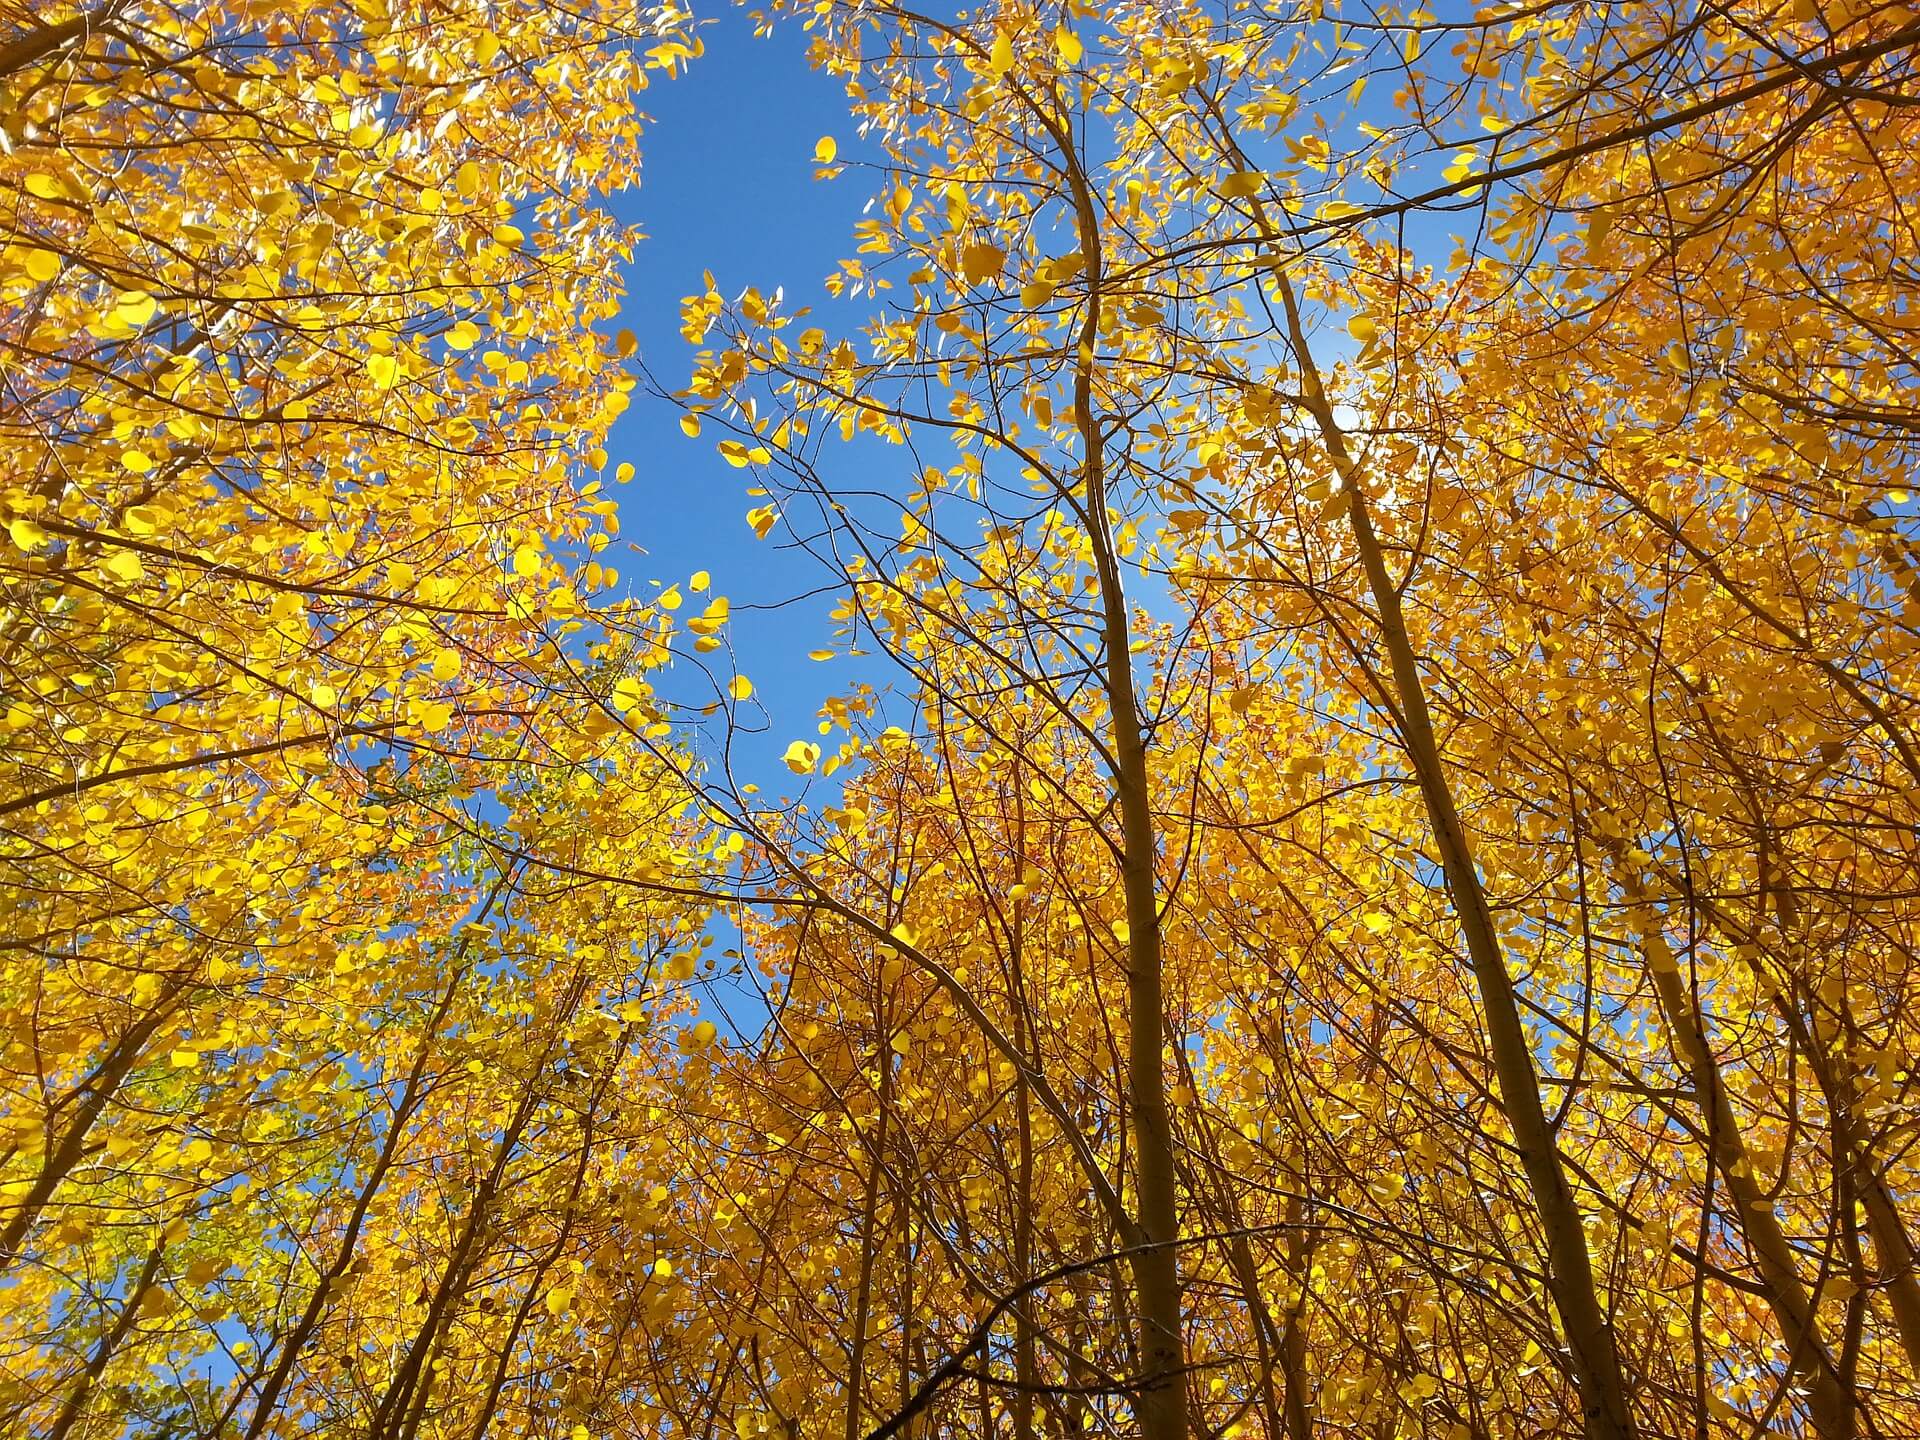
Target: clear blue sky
[[727, 185]]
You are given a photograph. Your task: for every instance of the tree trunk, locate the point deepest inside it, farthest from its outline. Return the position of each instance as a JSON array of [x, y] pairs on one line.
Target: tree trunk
[[1792, 1309], [1606, 1414], [1161, 1403], [76, 1400], [869, 1242]]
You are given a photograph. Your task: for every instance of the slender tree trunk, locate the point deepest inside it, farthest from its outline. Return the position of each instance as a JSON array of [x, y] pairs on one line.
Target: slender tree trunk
[[907, 1336], [1854, 1161], [1267, 1336], [1076, 1406], [1026, 1369], [400, 1407], [1163, 1398], [1161, 1403], [1606, 1413], [1897, 1263], [1293, 1337], [1026, 1372], [93, 1096], [869, 1243], [417, 1409], [1162, 1384], [76, 1401], [1247, 1276], [1786, 1297], [309, 1321], [396, 1411], [570, 1216]]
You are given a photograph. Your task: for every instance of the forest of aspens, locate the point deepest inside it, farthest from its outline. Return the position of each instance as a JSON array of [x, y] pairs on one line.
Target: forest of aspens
[[1350, 866]]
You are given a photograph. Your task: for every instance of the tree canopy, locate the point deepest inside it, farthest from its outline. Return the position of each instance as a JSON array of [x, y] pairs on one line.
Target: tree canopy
[[1364, 880]]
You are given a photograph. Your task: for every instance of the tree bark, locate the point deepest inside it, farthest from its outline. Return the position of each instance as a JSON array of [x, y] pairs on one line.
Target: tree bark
[[1605, 1411], [1161, 1405], [1792, 1308]]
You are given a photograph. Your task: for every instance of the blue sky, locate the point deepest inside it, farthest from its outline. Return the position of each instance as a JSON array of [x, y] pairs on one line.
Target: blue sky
[[727, 185]]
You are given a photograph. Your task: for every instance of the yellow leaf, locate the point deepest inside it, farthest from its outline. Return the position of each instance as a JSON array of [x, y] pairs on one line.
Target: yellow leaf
[[184, 1059], [384, 370], [761, 518], [699, 581], [509, 236], [981, 262], [25, 534], [124, 565], [1000, 59], [446, 663], [1388, 1188], [463, 336], [526, 560], [629, 693], [824, 150], [741, 688], [1067, 45], [137, 461], [690, 426], [134, 307], [1338, 210], [1362, 328], [801, 757], [42, 265], [820, 655], [435, 716], [1239, 184], [1462, 165]]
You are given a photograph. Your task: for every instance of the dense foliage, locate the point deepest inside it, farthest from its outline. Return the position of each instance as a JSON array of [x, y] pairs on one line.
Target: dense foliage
[[1366, 885]]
